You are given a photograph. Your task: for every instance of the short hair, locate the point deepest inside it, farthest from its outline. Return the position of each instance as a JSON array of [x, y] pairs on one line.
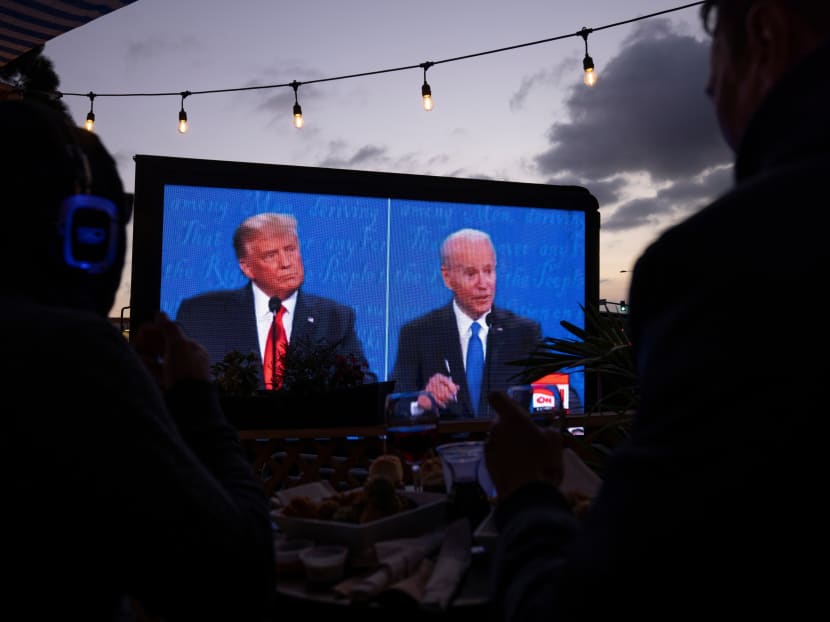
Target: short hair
[[45, 159], [469, 235], [729, 16], [253, 225]]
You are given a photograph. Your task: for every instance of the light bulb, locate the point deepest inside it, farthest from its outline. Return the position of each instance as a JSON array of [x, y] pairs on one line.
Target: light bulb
[[89, 124], [182, 121], [298, 116], [426, 94], [590, 77]]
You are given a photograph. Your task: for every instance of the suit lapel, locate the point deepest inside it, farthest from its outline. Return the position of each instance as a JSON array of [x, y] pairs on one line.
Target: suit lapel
[[302, 326], [446, 346], [242, 308], [449, 342]]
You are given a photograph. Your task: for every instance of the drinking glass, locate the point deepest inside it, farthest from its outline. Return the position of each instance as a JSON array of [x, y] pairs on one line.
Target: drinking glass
[[542, 401], [412, 427], [468, 484]]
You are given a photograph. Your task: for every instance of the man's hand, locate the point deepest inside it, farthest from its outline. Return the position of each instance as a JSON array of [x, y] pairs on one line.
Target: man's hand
[[443, 389], [169, 354], [518, 451]]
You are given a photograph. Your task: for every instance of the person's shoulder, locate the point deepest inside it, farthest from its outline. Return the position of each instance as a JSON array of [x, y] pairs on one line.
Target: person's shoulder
[[501, 316], [430, 318], [213, 297], [71, 335], [318, 302], [66, 319]]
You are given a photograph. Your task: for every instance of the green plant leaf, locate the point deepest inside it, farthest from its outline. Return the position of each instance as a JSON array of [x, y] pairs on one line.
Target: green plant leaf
[[602, 348], [237, 373]]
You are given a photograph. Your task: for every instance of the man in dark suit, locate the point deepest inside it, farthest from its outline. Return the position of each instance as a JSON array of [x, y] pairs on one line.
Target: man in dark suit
[[433, 348], [267, 247]]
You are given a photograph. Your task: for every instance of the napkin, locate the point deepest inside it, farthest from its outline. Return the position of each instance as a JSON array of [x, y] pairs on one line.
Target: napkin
[[405, 569], [410, 590], [397, 560], [578, 476], [452, 562]]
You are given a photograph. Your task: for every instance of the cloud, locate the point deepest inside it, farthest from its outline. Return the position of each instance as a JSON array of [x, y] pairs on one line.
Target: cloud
[[647, 117], [518, 99], [607, 191], [341, 155], [282, 94], [160, 47], [677, 199]]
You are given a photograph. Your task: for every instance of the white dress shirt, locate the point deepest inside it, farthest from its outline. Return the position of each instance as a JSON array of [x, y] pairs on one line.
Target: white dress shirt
[[264, 317], [464, 323]]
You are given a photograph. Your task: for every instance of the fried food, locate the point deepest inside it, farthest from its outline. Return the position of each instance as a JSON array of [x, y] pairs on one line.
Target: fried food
[[379, 498], [382, 500], [389, 467], [302, 507], [432, 475]]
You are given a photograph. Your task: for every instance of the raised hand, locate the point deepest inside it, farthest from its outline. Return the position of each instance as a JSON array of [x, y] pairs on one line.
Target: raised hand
[[443, 389], [518, 451], [169, 354]]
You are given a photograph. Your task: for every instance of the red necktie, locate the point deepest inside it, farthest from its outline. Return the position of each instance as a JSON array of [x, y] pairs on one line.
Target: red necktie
[[275, 346]]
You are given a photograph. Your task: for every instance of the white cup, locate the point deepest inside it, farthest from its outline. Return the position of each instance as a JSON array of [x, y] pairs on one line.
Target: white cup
[[324, 563], [461, 461]]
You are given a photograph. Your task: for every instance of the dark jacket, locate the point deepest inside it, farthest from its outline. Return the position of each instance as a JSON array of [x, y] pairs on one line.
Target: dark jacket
[[111, 488], [426, 342], [709, 507], [225, 320]]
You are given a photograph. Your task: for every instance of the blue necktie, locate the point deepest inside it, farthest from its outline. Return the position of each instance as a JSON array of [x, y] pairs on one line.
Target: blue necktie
[[475, 366]]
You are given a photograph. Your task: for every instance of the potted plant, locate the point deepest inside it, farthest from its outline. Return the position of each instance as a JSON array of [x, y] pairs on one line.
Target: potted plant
[[237, 374], [320, 388], [310, 366], [604, 350]]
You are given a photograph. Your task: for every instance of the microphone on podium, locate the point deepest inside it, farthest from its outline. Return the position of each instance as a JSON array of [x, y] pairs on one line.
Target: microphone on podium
[[493, 329]]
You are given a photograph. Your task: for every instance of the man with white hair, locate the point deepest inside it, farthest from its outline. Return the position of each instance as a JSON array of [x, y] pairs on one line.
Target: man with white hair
[[434, 350]]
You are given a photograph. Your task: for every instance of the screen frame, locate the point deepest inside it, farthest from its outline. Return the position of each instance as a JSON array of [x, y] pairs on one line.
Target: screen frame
[[153, 173]]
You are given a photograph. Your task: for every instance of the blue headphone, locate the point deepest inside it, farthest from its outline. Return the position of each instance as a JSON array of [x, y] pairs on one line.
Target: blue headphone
[[88, 224]]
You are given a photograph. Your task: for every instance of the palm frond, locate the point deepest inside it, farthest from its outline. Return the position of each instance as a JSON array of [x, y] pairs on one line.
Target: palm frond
[[602, 349]]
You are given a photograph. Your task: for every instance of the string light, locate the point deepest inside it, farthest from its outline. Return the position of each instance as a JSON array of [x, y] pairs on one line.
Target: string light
[[183, 115], [426, 92], [590, 78], [298, 111], [89, 124]]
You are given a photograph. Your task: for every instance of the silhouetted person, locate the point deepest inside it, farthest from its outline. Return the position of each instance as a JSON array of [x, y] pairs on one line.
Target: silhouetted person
[[122, 482], [712, 506]]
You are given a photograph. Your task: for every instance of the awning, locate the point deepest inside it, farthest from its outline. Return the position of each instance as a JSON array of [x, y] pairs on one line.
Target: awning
[[25, 24]]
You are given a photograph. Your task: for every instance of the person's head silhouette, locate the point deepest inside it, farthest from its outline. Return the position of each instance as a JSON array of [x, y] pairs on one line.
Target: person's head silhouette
[[64, 214]]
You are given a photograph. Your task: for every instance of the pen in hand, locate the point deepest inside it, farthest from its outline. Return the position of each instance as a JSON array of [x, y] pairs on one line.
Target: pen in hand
[[449, 373]]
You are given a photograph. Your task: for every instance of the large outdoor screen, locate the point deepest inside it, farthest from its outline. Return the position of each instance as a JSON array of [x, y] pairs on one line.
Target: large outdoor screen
[[369, 240]]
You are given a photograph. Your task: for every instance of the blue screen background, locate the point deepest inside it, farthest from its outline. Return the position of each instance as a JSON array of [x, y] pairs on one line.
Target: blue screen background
[[380, 256]]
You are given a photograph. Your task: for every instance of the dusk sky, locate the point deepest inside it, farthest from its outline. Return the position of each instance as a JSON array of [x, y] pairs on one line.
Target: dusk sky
[[643, 140]]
